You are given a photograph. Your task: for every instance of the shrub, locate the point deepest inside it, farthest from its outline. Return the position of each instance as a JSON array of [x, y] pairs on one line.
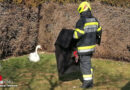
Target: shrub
[[120, 3]]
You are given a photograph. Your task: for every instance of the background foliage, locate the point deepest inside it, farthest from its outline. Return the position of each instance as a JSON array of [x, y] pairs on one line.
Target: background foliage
[[120, 3], [22, 27]]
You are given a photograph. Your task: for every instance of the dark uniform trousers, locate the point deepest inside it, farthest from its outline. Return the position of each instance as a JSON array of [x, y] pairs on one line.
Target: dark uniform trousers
[[85, 64]]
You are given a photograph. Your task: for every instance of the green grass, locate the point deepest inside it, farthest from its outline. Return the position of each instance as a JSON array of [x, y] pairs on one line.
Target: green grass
[[108, 74]]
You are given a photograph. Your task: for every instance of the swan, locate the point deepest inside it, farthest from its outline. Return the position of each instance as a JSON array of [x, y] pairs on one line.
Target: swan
[[34, 57]]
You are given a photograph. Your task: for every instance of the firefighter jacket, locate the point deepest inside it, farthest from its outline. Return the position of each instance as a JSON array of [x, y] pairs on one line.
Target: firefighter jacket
[[87, 32]]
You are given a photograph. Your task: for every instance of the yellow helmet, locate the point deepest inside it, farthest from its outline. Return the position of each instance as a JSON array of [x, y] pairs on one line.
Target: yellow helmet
[[84, 6]]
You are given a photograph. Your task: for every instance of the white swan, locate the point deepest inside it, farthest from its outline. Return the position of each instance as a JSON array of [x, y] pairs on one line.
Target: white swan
[[34, 57]]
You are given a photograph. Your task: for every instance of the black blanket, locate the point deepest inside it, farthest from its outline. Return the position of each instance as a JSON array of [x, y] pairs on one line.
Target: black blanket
[[64, 47]]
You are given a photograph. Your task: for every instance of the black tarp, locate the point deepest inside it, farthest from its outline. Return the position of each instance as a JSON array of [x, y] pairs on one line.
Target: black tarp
[[64, 46]]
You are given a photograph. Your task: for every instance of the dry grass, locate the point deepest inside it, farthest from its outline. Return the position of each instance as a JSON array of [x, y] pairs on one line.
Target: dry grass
[[18, 30], [17, 40], [119, 3], [115, 39], [114, 21], [55, 18]]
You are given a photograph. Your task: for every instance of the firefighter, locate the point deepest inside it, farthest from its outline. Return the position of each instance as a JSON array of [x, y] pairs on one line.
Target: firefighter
[[88, 32]]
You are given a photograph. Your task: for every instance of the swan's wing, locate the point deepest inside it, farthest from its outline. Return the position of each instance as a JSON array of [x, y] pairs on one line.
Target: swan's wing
[[34, 57]]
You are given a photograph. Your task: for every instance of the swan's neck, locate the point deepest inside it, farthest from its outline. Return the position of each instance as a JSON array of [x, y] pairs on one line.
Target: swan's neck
[[36, 49]]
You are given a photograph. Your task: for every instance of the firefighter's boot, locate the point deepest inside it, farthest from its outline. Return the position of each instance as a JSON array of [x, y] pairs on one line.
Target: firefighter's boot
[[87, 84]]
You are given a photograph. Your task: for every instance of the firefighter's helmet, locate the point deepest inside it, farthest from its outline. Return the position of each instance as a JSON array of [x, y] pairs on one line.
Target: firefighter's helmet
[[84, 6]]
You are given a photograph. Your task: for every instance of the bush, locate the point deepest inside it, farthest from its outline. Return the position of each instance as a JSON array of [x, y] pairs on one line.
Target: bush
[[120, 3]]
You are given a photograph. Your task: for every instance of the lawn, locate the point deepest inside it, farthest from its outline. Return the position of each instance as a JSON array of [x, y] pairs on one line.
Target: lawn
[[108, 74]]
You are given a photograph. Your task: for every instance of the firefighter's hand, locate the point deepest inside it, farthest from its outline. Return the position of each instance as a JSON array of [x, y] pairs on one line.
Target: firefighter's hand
[[75, 53], [76, 59]]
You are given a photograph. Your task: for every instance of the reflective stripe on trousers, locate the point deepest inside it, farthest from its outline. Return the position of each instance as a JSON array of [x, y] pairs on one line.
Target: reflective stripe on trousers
[[87, 77]]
